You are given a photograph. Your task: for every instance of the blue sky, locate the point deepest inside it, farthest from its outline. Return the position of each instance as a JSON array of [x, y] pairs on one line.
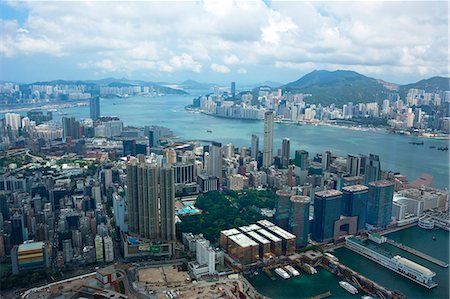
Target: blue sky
[[221, 41]]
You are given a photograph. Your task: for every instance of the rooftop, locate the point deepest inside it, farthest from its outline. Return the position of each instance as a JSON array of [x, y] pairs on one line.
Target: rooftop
[[230, 232], [31, 246], [300, 199], [248, 228], [415, 266], [258, 237], [281, 232], [242, 240], [329, 193], [355, 188], [382, 183], [268, 235], [265, 223]]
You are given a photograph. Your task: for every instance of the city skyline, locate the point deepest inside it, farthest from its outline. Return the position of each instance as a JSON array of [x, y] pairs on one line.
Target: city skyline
[[283, 40]]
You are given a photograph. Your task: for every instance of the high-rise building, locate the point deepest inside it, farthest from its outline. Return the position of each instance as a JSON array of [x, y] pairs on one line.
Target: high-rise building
[[18, 230], [171, 156], [108, 247], [326, 160], [283, 206], [215, 160], [268, 139], [355, 203], [327, 210], [285, 152], [301, 159], [233, 89], [299, 219], [94, 105], [354, 165], [99, 256], [379, 204], [372, 171], [71, 127], [129, 147], [151, 196], [183, 173], [13, 121], [228, 151], [255, 146]]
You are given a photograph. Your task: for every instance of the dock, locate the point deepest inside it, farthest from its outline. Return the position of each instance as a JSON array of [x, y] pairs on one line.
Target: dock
[[418, 253], [321, 296]]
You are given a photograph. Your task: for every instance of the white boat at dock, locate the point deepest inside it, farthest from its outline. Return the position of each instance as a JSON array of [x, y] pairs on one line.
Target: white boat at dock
[[292, 270], [348, 287], [282, 273]]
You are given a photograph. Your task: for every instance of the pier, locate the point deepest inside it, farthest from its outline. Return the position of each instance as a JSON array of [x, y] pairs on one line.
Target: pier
[[321, 296], [417, 253]]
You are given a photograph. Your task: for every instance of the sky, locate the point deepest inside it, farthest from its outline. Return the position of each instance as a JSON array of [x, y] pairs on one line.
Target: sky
[[221, 41]]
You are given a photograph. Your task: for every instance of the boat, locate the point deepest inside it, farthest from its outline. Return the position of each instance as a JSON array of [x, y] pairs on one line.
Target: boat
[[432, 146], [208, 131], [282, 273], [434, 238], [366, 297], [292, 270], [416, 143], [332, 257], [309, 269], [348, 287], [443, 148]]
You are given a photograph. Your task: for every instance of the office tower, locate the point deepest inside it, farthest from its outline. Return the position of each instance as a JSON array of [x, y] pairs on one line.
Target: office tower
[[379, 204], [151, 196], [171, 156], [18, 230], [119, 206], [283, 205], [67, 250], [13, 121], [233, 90], [215, 160], [354, 165], [285, 151], [301, 159], [108, 247], [299, 219], [94, 105], [228, 151], [355, 203], [255, 146], [129, 147], [268, 139], [327, 210], [71, 127], [99, 256], [326, 160], [183, 173], [372, 171]]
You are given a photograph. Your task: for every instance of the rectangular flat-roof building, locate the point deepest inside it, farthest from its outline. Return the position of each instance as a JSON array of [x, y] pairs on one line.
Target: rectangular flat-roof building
[[224, 235], [288, 239], [275, 242], [242, 248], [264, 244]]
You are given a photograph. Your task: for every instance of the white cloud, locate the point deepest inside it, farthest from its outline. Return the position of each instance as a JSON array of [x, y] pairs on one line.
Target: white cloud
[[135, 37], [242, 71], [219, 68]]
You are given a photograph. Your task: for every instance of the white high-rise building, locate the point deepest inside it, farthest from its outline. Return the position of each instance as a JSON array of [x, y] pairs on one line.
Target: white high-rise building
[[228, 151], [13, 120], [268, 139], [206, 255], [99, 257], [109, 249], [255, 146]]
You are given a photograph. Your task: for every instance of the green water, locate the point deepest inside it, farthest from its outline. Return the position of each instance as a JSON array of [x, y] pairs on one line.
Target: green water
[[310, 285]]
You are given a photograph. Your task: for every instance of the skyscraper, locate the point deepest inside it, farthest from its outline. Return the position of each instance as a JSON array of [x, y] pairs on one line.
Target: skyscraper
[[301, 159], [71, 127], [151, 196], [255, 146], [268, 139], [233, 89], [94, 105], [379, 204], [327, 210], [299, 219], [215, 160], [326, 160], [354, 165], [355, 203], [285, 152], [283, 205], [372, 171]]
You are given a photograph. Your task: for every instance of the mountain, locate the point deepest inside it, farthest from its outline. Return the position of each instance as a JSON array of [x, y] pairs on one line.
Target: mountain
[[192, 84], [338, 87], [432, 84]]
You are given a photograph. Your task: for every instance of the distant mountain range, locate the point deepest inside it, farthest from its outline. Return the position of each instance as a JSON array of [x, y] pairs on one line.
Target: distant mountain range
[[340, 87]]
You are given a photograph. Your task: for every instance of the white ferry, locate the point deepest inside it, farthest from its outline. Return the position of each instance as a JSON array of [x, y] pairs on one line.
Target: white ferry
[[282, 273], [332, 257], [292, 270], [310, 269], [348, 287]]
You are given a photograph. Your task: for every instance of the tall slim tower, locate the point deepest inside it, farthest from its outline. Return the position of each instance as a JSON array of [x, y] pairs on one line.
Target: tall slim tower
[[151, 196], [372, 171], [268, 139], [255, 146], [379, 204], [285, 152], [215, 160], [233, 89], [94, 105], [299, 219]]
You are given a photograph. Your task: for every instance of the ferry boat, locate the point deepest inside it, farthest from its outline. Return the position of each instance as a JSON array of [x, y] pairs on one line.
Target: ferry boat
[[282, 273], [348, 287], [310, 269], [292, 270], [366, 297], [332, 257], [400, 265]]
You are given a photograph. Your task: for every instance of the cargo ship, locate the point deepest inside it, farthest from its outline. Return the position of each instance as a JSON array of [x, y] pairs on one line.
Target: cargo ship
[[348, 287], [282, 273]]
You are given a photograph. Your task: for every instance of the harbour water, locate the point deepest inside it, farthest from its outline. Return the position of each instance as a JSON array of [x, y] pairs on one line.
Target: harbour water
[[395, 152], [309, 285]]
